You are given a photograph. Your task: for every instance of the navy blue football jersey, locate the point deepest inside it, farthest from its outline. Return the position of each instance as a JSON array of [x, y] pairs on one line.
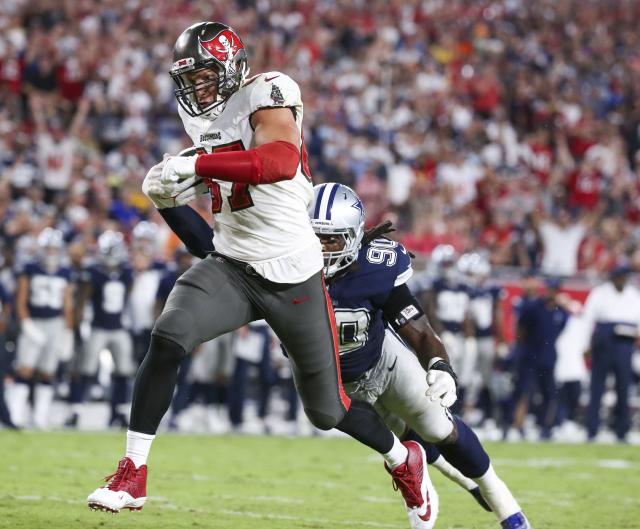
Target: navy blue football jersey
[[452, 303], [358, 297], [109, 294], [483, 301], [46, 290]]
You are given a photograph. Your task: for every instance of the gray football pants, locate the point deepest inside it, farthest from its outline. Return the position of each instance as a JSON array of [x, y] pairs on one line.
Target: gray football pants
[[219, 295]]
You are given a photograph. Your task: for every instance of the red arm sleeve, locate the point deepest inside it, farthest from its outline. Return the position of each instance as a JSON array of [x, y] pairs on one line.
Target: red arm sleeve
[[265, 164]]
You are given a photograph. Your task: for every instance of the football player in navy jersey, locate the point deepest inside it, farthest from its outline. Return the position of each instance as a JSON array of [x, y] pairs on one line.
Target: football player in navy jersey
[[106, 286], [377, 320], [485, 315], [147, 274], [448, 303], [44, 309]]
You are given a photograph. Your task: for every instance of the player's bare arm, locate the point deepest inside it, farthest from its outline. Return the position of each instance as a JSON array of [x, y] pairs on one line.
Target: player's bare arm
[[423, 340], [431, 353]]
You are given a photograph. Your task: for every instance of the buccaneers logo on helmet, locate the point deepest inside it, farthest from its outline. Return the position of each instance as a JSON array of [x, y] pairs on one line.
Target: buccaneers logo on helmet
[[223, 46]]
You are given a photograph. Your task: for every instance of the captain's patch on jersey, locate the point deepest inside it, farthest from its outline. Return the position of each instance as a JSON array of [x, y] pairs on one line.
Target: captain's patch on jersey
[[276, 95], [406, 314], [409, 312]]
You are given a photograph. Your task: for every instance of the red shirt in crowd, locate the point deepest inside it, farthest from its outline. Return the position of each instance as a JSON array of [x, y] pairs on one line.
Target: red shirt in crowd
[[583, 187]]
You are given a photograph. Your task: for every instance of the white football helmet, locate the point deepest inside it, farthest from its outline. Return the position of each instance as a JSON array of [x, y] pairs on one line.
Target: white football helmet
[[337, 210], [146, 237], [474, 267], [443, 260], [51, 248], [112, 250]]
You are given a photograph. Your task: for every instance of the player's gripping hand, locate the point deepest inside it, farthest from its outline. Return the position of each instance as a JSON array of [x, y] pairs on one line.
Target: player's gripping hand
[[172, 192], [442, 383], [178, 168]]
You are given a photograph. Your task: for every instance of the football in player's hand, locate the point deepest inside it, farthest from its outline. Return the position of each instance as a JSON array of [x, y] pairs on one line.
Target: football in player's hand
[[189, 151]]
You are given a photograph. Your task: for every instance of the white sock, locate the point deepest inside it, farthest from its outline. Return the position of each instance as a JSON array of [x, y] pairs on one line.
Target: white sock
[[397, 455], [18, 395], [42, 399], [497, 495], [138, 447], [448, 470]]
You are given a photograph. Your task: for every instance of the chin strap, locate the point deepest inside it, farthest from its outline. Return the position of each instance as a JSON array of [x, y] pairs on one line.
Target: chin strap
[[265, 164]]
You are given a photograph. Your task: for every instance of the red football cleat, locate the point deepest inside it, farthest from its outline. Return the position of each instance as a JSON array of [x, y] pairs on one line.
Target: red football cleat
[[412, 480], [126, 489]]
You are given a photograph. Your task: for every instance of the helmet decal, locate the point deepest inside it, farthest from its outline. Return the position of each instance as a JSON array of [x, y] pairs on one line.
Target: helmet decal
[[223, 46]]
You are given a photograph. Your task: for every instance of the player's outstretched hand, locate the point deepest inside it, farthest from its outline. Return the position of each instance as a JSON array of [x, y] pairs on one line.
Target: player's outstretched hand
[[171, 193], [442, 383]]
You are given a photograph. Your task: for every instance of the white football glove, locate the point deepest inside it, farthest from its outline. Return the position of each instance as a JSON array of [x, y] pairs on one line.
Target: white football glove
[[32, 332], [442, 383], [170, 194], [178, 168]]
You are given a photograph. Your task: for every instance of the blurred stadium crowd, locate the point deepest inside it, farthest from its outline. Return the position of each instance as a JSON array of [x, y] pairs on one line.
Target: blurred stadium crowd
[[508, 128]]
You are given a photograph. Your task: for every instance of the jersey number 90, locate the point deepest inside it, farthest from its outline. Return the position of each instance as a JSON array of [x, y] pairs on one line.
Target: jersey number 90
[[353, 327], [382, 251]]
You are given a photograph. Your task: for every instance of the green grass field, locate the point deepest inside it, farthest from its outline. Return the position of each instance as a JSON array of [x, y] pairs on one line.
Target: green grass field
[[280, 483]]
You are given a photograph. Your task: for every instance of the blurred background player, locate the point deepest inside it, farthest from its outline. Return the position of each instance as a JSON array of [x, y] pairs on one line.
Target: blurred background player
[[5, 312], [209, 378], [486, 320], [148, 270], [182, 261], [378, 321], [106, 286], [447, 305], [252, 349], [45, 310], [612, 320], [541, 320]]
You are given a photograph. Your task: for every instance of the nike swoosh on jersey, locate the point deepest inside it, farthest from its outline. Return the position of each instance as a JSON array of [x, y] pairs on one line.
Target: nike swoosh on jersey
[[393, 366], [267, 79]]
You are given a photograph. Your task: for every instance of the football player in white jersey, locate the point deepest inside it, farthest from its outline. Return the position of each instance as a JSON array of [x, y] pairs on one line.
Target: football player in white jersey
[[267, 262]]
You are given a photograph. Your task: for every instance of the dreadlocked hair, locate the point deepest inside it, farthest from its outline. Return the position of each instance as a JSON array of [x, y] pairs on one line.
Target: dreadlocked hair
[[380, 231]]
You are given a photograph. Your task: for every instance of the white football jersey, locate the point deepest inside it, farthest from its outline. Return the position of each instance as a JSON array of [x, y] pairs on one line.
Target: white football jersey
[[265, 225]]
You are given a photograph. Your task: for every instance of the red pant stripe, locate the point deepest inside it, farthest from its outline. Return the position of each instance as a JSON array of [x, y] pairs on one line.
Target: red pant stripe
[[346, 401]]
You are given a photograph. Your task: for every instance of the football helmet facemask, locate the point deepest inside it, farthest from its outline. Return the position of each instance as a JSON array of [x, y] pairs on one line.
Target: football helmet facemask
[[336, 210], [208, 55]]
